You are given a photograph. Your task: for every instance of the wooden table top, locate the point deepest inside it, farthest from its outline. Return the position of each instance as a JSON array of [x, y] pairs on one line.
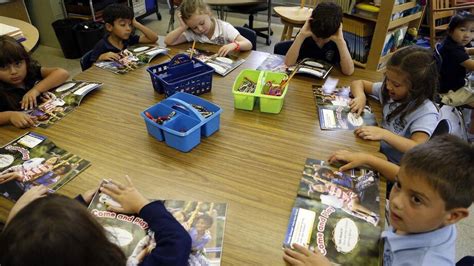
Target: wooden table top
[[253, 162], [29, 31]]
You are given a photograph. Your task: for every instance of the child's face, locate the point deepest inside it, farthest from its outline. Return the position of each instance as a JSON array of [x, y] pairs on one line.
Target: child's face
[[200, 23], [463, 34], [397, 84], [201, 225], [14, 74], [122, 28], [415, 206]]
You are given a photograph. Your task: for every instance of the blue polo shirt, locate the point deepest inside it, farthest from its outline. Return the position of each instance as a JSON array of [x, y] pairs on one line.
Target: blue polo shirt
[[432, 248], [104, 46]]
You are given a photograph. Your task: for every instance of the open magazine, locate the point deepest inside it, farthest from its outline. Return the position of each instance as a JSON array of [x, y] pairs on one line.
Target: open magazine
[[222, 65], [36, 160], [337, 214], [274, 63], [334, 111], [61, 101], [313, 67]]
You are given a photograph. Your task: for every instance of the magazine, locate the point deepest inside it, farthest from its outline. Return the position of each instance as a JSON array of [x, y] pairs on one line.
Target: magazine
[[317, 68], [337, 214], [61, 101], [222, 65], [274, 63], [36, 160], [147, 52], [334, 111]]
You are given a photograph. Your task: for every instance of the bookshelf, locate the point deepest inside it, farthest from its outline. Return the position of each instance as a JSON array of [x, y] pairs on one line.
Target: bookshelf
[[382, 25]]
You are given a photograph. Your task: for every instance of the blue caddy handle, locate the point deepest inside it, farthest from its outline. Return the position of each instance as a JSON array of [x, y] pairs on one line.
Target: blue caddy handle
[[189, 109]]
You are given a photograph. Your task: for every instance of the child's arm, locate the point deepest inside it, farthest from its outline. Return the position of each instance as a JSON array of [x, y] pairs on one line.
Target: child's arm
[[29, 196], [400, 143], [52, 77], [470, 51], [17, 119], [347, 65], [357, 159], [468, 64], [294, 51], [303, 256], [240, 43], [176, 36], [358, 89], [148, 36]]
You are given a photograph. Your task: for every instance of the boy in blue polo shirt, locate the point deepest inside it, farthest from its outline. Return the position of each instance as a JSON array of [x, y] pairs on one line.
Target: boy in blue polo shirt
[[119, 21], [433, 190]]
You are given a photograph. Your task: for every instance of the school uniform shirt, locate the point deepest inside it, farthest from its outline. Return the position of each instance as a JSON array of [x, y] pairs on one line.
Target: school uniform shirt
[[224, 33], [328, 53], [432, 248], [422, 119], [452, 73], [16, 94], [104, 46]]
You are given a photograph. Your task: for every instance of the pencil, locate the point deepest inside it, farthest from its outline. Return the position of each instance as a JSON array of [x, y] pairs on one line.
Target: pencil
[[192, 49], [290, 77]]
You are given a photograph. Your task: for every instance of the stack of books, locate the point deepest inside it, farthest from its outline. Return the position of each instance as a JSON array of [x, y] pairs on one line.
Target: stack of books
[[12, 32]]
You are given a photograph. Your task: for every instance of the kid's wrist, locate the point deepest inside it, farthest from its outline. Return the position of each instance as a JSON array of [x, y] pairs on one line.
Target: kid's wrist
[[237, 46]]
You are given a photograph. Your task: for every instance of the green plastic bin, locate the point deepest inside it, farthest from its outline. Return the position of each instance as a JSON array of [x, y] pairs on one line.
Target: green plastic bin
[[269, 103], [244, 100]]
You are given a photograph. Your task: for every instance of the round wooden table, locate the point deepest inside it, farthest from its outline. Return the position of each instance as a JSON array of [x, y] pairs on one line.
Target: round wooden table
[[29, 31]]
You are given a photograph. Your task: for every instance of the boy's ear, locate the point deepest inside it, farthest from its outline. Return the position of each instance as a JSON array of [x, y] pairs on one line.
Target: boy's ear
[[455, 215], [108, 26]]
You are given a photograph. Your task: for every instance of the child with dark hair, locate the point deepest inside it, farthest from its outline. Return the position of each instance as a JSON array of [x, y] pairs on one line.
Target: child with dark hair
[[455, 51], [54, 230], [407, 93], [23, 82], [433, 190], [321, 38], [119, 22]]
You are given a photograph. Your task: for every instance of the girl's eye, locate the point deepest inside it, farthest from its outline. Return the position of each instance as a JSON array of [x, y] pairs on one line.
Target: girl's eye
[[416, 200], [397, 185]]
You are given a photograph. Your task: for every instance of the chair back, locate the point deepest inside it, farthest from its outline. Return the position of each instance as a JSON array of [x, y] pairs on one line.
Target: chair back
[[437, 55], [249, 34], [282, 48], [86, 60]]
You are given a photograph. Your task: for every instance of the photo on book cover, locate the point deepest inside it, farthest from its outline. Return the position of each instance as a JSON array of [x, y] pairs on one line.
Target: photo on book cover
[[32, 160], [132, 58], [274, 63], [61, 101], [355, 192], [223, 65], [205, 223], [313, 67]]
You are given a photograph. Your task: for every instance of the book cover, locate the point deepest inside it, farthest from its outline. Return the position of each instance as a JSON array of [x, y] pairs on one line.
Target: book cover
[[337, 214], [61, 101], [147, 52], [313, 67], [274, 63], [222, 65], [33, 159]]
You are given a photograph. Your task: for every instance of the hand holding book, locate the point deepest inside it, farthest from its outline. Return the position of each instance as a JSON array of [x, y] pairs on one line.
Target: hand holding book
[[303, 256], [127, 196]]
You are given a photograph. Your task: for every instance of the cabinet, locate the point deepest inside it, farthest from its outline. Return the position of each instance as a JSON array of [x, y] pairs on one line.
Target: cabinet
[[89, 9], [382, 25]]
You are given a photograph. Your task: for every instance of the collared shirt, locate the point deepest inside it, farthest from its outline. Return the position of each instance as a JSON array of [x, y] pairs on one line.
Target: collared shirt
[[432, 248], [329, 52], [224, 33], [104, 46]]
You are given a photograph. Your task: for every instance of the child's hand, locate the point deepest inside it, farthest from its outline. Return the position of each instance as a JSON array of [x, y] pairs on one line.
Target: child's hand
[[224, 50], [352, 159], [357, 105], [29, 196], [109, 56], [4, 178], [338, 35], [29, 99], [306, 29], [126, 195], [88, 195], [370, 132], [304, 257], [22, 120], [182, 24]]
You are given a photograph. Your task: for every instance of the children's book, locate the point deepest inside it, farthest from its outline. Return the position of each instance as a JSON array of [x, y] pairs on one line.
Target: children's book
[[337, 214], [33, 159], [222, 65], [274, 63], [61, 101], [334, 111], [308, 66], [147, 52]]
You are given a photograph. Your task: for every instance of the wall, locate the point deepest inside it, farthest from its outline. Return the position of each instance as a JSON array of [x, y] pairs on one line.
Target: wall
[[43, 13]]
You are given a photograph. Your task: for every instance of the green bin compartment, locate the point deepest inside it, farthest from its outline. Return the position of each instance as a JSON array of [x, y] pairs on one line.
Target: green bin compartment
[[269, 103], [243, 100]]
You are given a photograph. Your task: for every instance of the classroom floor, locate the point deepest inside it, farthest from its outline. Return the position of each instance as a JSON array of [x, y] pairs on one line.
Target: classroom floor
[[49, 56]]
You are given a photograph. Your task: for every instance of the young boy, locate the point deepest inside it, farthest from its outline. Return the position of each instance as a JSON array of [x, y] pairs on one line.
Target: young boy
[[321, 38], [119, 21], [433, 190]]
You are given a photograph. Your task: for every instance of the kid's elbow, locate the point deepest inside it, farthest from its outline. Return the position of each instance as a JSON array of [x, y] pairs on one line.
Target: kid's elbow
[[63, 74], [154, 38]]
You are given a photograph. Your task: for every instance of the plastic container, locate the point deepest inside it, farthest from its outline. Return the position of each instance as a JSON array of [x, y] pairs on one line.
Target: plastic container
[[270, 103], [181, 74], [183, 131], [245, 100]]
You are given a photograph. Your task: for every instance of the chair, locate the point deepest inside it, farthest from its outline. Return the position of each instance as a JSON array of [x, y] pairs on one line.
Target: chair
[[466, 261], [173, 5], [250, 35], [252, 9], [292, 17], [437, 56], [282, 48], [86, 60]]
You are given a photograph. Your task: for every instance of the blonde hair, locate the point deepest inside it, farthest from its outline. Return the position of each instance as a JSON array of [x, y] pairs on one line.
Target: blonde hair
[[191, 7]]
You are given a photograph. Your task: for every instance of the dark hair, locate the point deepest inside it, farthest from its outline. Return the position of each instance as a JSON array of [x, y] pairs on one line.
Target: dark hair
[[12, 52], [117, 11], [419, 66], [326, 19], [191, 7], [206, 217], [55, 230], [460, 19], [447, 163]]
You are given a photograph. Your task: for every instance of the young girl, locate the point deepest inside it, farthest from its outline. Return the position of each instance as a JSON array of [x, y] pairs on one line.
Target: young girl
[[197, 24], [409, 115], [54, 230], [455, 51], [22, 81]]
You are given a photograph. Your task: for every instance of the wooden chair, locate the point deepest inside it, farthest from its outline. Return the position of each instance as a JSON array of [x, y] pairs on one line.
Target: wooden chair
[[293, 17]]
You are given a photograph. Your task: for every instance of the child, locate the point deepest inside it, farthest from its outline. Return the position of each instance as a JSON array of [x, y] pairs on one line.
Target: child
[[409, 115], [119, 21], [434, 189], [22, 82], [321, 38], [197, 24], [54, 230], [455, 51]]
